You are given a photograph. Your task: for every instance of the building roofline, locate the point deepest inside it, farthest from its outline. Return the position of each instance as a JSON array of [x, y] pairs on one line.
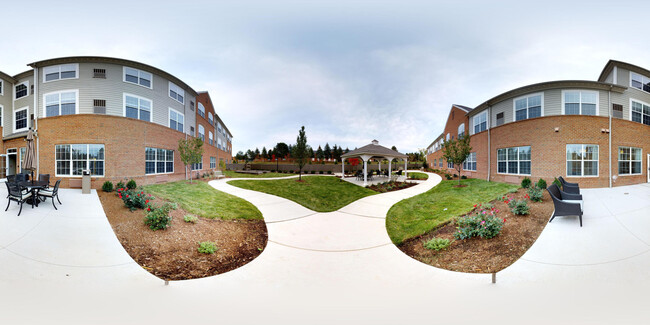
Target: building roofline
[[464, 108], [435, 140], [613, 63], [23, 75], [104, 59], [7, 77], [216, 116]]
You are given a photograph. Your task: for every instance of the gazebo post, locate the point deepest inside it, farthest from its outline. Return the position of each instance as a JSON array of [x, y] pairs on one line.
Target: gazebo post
[[390, 170], [365, 168], [406, 161], [342, 168]]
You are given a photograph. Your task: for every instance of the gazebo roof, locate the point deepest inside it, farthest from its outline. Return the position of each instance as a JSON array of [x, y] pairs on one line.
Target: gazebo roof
[[374, 150]]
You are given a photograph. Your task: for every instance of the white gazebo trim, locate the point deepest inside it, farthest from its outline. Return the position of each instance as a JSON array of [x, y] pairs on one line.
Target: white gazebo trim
[[374, 150]]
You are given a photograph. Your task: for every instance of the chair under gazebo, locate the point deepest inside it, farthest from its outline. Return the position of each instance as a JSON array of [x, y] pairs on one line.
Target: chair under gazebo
[[374, 151]]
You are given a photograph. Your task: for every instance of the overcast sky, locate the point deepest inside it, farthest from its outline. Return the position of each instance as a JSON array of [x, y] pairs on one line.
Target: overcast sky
[[349, 71]]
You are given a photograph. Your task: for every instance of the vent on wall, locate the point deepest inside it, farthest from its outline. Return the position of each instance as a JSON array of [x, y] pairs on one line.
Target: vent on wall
[[99, 73], [99, 106], [499, 118], [617, 110]]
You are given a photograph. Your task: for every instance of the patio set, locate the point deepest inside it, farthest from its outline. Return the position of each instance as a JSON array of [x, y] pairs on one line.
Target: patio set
[[371, 174], [567, 201], [21, 189]]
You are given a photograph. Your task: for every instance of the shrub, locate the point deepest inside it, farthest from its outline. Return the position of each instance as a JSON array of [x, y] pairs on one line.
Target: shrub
[[437, 243], [313, 172], [557, 182], [463, 177], [448, 176], [134, 200], [190, 218], [159, 218], [535, 194], [525, 183], [120, 185], [131, 185], [320, 172], [207, 247], [455, 176], [107, 187], [480, 223], [541, 183], [518, 207], [329, 172]]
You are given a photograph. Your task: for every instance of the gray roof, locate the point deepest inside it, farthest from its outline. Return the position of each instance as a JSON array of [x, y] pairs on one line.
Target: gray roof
[[374, 150], [464, 108]]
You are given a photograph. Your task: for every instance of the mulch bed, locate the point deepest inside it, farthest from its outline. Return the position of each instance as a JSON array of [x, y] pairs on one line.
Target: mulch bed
[[478, 255], [172, 254], [391, 186]]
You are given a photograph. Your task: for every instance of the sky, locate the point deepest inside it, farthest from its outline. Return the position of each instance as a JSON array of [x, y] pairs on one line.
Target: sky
[[349, 71]]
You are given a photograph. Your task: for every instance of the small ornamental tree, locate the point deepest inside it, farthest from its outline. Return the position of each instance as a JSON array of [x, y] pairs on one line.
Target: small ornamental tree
[[191, 151], [456, 151], [300, 152]]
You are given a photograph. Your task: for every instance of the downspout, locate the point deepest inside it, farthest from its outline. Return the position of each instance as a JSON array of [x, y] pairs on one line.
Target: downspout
[[609, 110], [489, 126], [38, 164]]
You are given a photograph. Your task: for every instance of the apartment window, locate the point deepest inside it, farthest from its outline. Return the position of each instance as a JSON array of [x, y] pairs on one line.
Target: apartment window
[[617, 110], [480, 122], [176, 120], [61, 103], [440, 163], [210, 118], [461, 130], [213, 162], [629, 161], [158, 161], [500, 119], [138, 77], [2, 88], [99, 106], [640, 112], [201, 110], [211, 138], [528, 107], [58, 72], [176, 93], [21, 90], [198, 166], [137, 107], [201, 132], [640, 82], [219, 145], [581, 160], [191, 130], [20, 119], [73, 159], [515, 160], [470, 162], [99, 73], [580, 102], [192, 105], [219, 128]]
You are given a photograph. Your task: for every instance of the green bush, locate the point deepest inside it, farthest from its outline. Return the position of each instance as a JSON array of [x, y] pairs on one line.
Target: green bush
[[120, 185], [159, 218], [463, 177], [525, 183], [134, 199], [313, 172], [535, 194], [329, 172], [480, 223], [207, 247], [448, 176], [437, 243], [320, 172], [518, 207], [541, 183], [557, 182], [131, 185], [190, 218], [107, 187], [455, 176]]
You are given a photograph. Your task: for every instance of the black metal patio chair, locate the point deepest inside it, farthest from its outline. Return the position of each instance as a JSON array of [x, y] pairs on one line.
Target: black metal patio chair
[[11, 178], [45, 194], [44, 178], [571, 188], [566, 204], [17, 195]]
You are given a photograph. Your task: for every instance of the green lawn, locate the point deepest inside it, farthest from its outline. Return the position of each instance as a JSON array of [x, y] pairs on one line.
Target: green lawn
[[418, 176], [202, 199], [231, 173], [318, 193], [418, 215]]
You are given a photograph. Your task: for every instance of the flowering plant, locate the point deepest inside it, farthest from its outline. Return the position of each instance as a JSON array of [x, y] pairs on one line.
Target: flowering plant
[[518, 207], [482, 222], [134, 199]]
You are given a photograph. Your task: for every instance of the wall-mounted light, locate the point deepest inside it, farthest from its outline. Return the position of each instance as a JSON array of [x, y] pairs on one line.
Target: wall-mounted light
[[604, 130], [557, 129]]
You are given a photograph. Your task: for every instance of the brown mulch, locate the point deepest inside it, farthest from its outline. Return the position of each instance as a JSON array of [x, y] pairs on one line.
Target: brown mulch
[[478, 255], [172, 254]]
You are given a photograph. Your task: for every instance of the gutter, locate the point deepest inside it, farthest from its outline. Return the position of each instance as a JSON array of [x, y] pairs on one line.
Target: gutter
[[609, 109], [38, 164], [489, 113]]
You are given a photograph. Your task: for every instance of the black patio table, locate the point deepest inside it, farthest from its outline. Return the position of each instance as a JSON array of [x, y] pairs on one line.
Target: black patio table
[[33, 186]]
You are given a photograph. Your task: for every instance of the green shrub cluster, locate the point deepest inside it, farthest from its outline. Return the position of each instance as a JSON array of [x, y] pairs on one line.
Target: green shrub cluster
[[480, 223], [107, 187], [525, 183], [134, 199], [207, 247], [535, 194], [159, 218], [541, 183], [120, 185], [518, 207], [131, 185], [437, 244]]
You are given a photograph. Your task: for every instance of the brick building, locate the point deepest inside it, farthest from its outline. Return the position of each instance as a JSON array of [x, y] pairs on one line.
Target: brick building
[[118, 118], [595, 133]]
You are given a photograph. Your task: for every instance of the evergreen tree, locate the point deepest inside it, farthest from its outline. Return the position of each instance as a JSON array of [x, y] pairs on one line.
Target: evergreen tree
[[319, 153], [265, 155], [327, 152], [257, 152], [311, 152]]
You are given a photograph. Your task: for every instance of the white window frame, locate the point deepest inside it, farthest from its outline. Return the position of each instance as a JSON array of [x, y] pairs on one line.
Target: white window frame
[[630, 161], [26, 108], [59, 69], [210, 118], [643, 83], [56, 173], [581, 91], [156, 161], [197, 165], [2, 87], [471, 158], [26, 83], [474, 124], [518, 161], [461, 130], [139, 73], [201, 110], [199, 133], [643, 104], [169, 119], [76, 98], [514, 106], [213, 162], [210, 138], [2, 116], [124, 95], [582, 168], [177, 90]]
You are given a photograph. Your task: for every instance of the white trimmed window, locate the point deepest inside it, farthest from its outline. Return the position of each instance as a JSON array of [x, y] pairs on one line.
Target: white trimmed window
[[461, 130], [581, 160], [2, 87], [201, 132], [219, 145], [639, 82], [515, 160], [479, 122], [450, 164], [529, 106], [176, 120], [2, 114], [213, 162], [58, 72], [470, 162], [640, 112], [137, 107], [158, 161], [219, 129], [201, 110], [579, 102], [138, 77], [21, 90], [210, 118], [629, 161], [176, 93], [211, 138], [61, 103], [73, 159], [198, 166], [21, 120]]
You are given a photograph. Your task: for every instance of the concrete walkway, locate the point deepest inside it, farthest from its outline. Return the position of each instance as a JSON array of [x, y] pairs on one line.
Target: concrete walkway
[[66, 267]]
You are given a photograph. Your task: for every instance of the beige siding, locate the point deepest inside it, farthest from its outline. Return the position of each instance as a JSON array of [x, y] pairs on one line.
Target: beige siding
[[6, 101], [27, 101], [623, 77], [630, 93]]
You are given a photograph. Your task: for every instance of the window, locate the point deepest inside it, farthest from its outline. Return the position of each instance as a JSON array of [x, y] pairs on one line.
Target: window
[[99, 73], [61, 103], [191, 130], [176, 120], [213, 162], [23, 151], [461, 130], [500, 119], [198, 166], [211, 138], [581, 160], [158, 161], [219, 129], [2, 88], [640, 82], [210, 118], [440, 163], [219, 145], [629, 161], [640, 112], [528, 107], [176, 93], [138, 77], [580, 102], [448, 137], [480, 122], [201, 110], [191, 105], [99, 106], [73, 159], [137, 107], [2, 113], [201, 132], [58, 72], [21, 123], [21, 90], [450, 164], [470, 162], [617, 110], [515, 160]]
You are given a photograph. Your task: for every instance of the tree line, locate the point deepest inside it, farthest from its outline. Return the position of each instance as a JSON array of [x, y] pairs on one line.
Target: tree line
[[284, 151]]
